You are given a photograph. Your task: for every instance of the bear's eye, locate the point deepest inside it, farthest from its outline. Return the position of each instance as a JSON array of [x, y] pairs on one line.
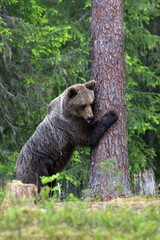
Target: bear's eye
[[83, 106]]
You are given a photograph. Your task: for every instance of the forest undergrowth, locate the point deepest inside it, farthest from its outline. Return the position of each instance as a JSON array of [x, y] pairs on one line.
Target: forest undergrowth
[[130, 218]]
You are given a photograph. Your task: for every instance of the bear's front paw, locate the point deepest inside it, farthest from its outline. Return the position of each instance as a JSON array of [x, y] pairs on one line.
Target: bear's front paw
[[113, 114]]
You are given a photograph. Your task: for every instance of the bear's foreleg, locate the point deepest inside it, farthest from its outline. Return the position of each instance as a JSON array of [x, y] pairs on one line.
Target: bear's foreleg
[[97, 129]]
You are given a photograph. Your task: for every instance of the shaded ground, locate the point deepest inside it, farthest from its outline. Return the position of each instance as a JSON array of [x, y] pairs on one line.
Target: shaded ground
[[137, 203]]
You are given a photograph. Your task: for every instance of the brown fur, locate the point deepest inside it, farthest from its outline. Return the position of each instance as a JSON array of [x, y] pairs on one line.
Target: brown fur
[[68, 123]]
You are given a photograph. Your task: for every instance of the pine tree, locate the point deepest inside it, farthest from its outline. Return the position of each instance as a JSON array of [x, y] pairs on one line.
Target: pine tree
[[109, 175]]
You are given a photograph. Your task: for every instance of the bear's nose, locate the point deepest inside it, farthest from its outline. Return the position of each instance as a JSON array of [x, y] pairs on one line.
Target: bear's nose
[[91, 117]]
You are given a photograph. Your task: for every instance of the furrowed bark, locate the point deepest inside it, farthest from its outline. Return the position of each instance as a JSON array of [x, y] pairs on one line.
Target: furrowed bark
[[108, 69]]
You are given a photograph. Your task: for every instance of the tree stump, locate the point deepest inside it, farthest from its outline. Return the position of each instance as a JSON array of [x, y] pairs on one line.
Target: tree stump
[[16, 191], [144, 183]]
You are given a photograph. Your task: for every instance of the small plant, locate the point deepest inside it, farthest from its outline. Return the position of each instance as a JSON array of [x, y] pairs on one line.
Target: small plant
[[96, 198], [86, 192], [56, 189], [2, 195], [45, 191], [110, 168], [72, 198]]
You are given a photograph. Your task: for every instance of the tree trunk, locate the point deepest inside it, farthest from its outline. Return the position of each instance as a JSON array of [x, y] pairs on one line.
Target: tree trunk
[[111, 178]]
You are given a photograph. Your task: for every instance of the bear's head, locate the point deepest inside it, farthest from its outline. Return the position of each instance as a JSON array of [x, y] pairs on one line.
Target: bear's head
[[78, 101]]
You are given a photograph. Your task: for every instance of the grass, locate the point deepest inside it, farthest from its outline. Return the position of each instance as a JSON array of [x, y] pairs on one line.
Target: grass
[[121, 219]]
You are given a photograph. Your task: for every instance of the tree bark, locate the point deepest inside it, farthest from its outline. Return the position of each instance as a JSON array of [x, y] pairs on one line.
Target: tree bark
[[108, 69]]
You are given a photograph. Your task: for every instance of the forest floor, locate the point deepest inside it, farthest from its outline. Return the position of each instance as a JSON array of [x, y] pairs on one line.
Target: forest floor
[[120, 219]]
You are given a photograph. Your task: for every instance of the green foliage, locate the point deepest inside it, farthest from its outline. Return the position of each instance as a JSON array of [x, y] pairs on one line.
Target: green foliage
[[7, 165], [142, 82], [27, 44]]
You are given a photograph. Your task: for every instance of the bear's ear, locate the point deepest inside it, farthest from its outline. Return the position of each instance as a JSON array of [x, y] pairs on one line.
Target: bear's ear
[[50, 107], [72, 92], [90, 85]]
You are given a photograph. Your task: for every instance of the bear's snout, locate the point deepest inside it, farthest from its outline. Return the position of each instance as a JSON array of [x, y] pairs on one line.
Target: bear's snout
[[91, 117]]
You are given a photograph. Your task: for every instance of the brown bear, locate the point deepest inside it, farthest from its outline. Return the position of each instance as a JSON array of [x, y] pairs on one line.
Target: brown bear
[[69, 122]]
